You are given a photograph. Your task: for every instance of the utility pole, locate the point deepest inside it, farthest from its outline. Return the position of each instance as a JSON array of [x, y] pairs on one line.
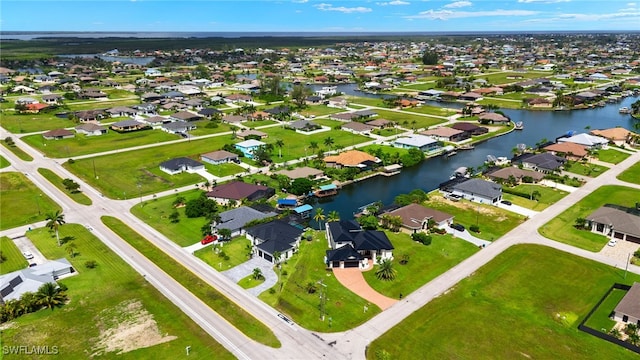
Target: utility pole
[[94, 168], [626, 268]]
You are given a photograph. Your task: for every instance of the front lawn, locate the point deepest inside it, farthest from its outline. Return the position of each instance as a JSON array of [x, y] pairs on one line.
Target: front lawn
[[632, 174], [562, 227], [99, 301], [425, 262], [156, 213], [584, 169], [226, 308], [56, 180], [521, 305], [236, 250], [344, 308], [258, 123], [548, 196], [14, 258], [612, 156], [21, 202], [222, 170]]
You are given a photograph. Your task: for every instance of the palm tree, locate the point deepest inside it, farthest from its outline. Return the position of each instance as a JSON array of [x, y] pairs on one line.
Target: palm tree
[[328, 141], [28, 302], [71, 249], [313, 146], [333, 216], [54, 220], [225, 234], [386, 271], [257, 274], [279, 144], [50, 296], [319, 216], [535, 195], [395, 222]]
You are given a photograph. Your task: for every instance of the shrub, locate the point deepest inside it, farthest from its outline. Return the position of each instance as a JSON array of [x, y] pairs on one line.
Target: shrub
[[90, 264], [421, 237], [474, 228], [71, 161]]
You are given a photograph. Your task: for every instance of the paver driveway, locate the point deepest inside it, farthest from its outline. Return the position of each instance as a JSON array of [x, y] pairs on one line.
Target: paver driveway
[[353, 280]]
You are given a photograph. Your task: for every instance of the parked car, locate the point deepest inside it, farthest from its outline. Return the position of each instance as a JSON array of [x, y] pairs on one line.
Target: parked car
[[27, 255], [208, 239], [457, 226], [33, 265], [612, 242], [506, 202]]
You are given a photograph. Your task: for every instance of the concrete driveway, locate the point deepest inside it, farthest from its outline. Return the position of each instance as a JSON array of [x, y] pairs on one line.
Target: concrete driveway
[[24, 244], [245, 269], [518, 209], [466, 236]]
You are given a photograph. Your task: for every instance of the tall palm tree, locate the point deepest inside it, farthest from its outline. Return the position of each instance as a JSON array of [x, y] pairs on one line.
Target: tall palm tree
[[328, 141], [279, 144], [333, 216], [386, 271], [54, 220], [313, 146], [71, 249], [50, 296], [319, 216], [257, 274]]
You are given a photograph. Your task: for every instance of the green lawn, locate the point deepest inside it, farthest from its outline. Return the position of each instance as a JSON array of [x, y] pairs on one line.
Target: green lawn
[[318, 110], [507, 104], [28, 123], [233, 313], [56, 180], [119, 174], [562, 227], [156, 213], [15, 260], [419, 87], [17, 151], [585, 169], [493, 222], [632, 174], [600, 319], [406, 119], [206, 127], [366, 101], [249, 282], [521, 305], [432, 110], [502, 78], [343, 307], [21, 202], [4, 162], [425, 262], [82, 144], [97, 299], [222, 170], [255, 124], [548, 196], [236, 250], [612, 156]]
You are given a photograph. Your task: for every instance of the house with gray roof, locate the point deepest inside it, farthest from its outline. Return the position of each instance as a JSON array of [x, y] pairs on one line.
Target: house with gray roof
[[219, 157], [177, 127], [478, 190], [236, 219], [617, 222], [543, 162], [628, 309], [178, 165], [274, 237], [14, 284], [91, 129]]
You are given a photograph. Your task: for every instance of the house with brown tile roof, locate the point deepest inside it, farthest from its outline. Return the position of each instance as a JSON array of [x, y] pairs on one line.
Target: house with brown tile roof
[[380, 123], [568, 150], [58, 134], [618, 135], [238, 191], [416, 217], [516, 173], [219, 157], [352, 158], [357, 127], [249, 132]]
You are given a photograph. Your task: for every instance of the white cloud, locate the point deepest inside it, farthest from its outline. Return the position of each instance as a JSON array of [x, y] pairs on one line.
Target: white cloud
[[394, 3], [449, 14], [458, 4], [632, 4], [342, 9], [596, 17]]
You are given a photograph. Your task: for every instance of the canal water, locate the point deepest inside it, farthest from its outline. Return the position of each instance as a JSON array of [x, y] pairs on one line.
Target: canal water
[[430, 173]]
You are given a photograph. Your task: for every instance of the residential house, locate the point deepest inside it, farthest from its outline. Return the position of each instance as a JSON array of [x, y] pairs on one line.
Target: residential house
[[304, 125], [505, 174], [470, 128], [248, 147], [209, 112], [234, 119], [568, 150], [380, 123], [238, 191], [128, 125], [337, 102], [58, 134], [493, 118], [178, 165], [617, 135], [544, 162], [244, 134], [358, 128], [155, 121], [586, 140], [91, 129], [628, 309], [617, 222], [235, 219], [89, 115], [477, 190], [352, 158], [415, 217], [273, 238], [420, 142], [370, 245], [444, 133], [219, 157], [302, 172], [14, 284], [52, 99], [121, 111], [238, 99], [177, 127]]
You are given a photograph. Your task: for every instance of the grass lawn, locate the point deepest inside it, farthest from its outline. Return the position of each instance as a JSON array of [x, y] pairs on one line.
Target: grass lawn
[[206, 127], [156, 213], [632, 174], [82, 144], [28, 123], [119, 174], [4, 162], [493, 222], [422, 86], [318, 110], [548, 196], [406, 119], [367, 101], [239, 318], [98, 298], [503, 77], [600, 319], [585, 169], [612, 156], [386, 132], [222, 170], [56, 180], [344, 307], [502, 103], [562, 227], [236, 250], [502, 319], [255, 124], [249, 282], [425, 262], [431, 110], [15, 260], [17, 151], [21, 202]]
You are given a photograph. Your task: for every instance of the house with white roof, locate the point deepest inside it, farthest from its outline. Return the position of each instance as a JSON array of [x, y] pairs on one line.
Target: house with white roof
[[586, 140], [420, 142], [248, 147], [14, 284]]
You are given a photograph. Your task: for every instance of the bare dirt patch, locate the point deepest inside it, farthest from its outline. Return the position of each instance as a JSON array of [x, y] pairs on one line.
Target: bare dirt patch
[[126, 327], [466, 205]]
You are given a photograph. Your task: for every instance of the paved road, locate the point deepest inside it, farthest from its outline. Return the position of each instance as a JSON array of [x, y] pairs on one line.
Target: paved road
[[297, 343]]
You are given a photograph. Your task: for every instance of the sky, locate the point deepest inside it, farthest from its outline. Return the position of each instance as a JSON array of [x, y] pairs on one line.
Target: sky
[[318, 16]]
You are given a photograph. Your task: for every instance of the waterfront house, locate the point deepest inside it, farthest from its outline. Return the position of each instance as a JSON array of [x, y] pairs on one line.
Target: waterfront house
[[493, 118], [91, 129], [617, 222], [420, 142], [276, 237], [302, 172], [568, 150], [178, 165], [415, 217], [505, 174], [470, 128], [352, 158], [248, 147], [586, 140], [238, 191], [617, 135], [444, 133], [478, 190], [235, 219], [219, 157], [370, 245], [544, 162], [628, 309]]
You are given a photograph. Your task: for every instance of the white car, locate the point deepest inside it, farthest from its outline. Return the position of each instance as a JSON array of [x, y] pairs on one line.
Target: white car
[[612, 242], [27, 255]]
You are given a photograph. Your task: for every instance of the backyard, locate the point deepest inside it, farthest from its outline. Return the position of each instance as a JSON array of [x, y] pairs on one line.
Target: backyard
[[112, 309], [492, 303], [632, 174], [22, 203], [562, 227]]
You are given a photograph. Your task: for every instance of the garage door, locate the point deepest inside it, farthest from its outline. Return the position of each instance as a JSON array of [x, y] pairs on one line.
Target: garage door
[[267, 257], [618, 235], [634, 239], [351, 264], [335, 264]]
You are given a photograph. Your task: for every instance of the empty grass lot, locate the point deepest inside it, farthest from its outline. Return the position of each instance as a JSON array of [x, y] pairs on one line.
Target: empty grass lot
[[406, 119], [82, 144], [562, 228], [28, 123], [612, 156], [344, 307], [156, 213], [318, 110], [56, 180], [431, 110], [15, 259], [548, 196], [222, 170], [238, 317], [4, 162], [508, 312], [95, 292], [21, 202], [585, 169], [632, 174], [425, 262], [119, 174]]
